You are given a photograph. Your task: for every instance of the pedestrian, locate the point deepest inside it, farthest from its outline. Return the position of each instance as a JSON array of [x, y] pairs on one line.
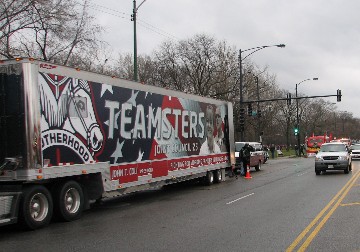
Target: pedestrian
[[272, 149], [245, 154], [302, 147]]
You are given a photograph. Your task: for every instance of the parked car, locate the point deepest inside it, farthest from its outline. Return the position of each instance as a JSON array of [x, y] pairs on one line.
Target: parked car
[[355, 151], [266, 156], [257, 157], [333, 156]]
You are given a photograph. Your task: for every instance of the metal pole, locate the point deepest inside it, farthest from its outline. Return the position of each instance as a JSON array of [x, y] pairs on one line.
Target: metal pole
[[135, 43], [241, 92], [335, 123], [258, 107], [297, 121]]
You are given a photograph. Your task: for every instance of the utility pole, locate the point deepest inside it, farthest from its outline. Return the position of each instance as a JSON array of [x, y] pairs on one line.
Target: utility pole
[[133, 18], [258, 113], [241, 93]]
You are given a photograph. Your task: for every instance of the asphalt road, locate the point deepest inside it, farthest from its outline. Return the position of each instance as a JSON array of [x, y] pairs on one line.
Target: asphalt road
[[284, 207]]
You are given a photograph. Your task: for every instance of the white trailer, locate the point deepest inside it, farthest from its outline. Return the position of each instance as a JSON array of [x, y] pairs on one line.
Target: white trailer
[[70, 137]]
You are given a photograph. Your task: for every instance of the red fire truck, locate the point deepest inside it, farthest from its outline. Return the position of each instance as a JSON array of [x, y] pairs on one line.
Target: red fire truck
[[313, 143]]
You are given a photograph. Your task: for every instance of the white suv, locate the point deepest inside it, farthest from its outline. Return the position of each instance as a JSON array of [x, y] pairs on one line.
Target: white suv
[[333, 156]]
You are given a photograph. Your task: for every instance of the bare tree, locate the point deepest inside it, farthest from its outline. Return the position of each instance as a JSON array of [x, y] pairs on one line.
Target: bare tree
[[59, 31], [199, 65], [15, 16]]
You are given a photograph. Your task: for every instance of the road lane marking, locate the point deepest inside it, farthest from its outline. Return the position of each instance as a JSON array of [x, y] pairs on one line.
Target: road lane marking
[[240, 198], [302, 174], [350, 204], [344, 190]]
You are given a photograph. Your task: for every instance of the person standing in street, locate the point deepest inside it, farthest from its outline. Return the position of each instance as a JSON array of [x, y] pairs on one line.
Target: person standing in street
[[302, 147], [245, 154], [272, 149]]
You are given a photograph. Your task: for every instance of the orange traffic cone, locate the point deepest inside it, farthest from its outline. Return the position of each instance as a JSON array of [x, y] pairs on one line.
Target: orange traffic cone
[[247, 175]]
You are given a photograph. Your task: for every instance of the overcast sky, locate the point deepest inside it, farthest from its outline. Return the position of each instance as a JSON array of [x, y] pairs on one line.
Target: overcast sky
[[322, 37]]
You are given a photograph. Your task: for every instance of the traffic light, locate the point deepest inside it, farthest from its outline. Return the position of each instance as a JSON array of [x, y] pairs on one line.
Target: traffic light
[[259, 113], [249, 110], [242, 115], [242, 119], [296, 131], [242, 112], [338, 95], [288, 99]]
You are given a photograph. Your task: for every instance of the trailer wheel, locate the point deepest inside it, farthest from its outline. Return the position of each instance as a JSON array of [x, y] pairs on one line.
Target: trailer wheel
[[36, 207], [68, 201], [209, 178], [217, 176]]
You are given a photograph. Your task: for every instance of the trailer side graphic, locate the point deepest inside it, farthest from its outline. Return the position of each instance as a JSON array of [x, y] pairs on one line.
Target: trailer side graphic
[[84, 121]]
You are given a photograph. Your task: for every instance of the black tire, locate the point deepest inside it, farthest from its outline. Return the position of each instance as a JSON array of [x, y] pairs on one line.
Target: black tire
[[36, 207], [217, 176], [68, 201], [317, 172], [346, 171], [258, 167], [209, 178]]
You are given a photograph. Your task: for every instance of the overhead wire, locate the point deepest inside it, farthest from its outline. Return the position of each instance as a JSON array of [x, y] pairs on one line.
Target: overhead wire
[[124, 15]]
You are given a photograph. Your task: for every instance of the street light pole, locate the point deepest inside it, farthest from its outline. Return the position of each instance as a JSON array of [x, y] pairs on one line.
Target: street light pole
[[253, 50], [133, 18], [297, 113], [334, 134], [258, 106], [343, 117]]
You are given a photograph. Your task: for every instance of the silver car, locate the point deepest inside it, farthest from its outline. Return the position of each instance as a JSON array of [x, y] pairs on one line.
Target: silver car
[[333, 156]]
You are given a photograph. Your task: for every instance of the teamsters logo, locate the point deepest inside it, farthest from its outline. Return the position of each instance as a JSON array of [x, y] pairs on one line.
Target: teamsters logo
[[68, 119]]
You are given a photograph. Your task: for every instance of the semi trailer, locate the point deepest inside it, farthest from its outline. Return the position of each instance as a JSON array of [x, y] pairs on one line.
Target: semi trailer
[[70, 137]]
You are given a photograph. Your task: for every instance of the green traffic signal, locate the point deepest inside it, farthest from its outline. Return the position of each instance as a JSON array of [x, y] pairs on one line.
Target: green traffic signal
[[296, 131]]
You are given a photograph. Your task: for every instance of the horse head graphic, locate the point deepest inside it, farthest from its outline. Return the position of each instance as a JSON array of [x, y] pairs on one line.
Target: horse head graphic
[[66, 104]]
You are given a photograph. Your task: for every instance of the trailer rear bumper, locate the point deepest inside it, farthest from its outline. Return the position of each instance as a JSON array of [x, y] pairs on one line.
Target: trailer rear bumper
[[9, 202]]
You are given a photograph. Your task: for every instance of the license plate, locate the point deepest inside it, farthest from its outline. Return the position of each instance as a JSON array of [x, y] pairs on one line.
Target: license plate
[[330, 166]]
